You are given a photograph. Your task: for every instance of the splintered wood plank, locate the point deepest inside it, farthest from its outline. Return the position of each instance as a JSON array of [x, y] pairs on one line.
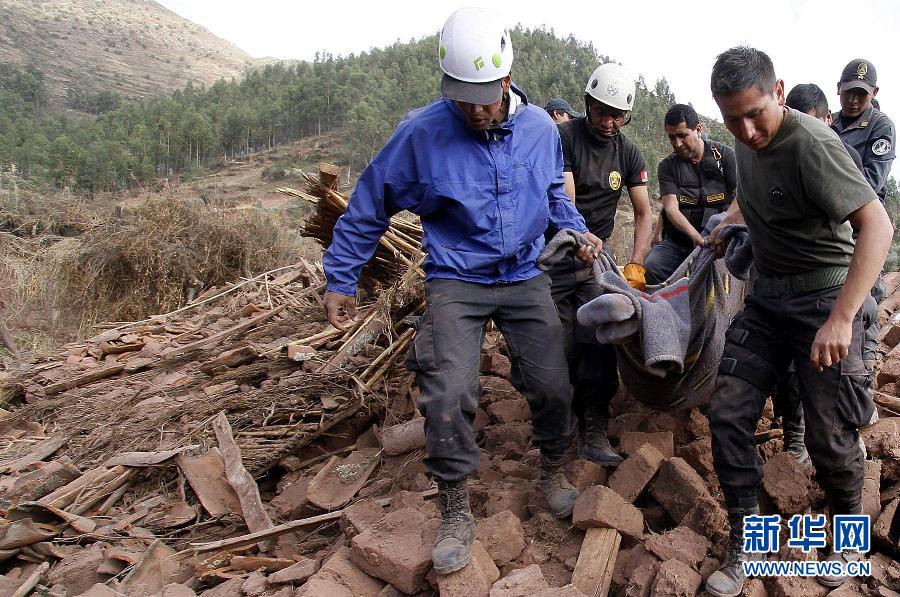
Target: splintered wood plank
[[341, 478], [594, 569], [41, 451], [241, 481], [206, 476], [373, 326], [89, 378]]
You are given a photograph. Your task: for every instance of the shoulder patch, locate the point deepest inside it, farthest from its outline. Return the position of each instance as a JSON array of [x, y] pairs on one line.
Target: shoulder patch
[[643, 176], [881, 146]]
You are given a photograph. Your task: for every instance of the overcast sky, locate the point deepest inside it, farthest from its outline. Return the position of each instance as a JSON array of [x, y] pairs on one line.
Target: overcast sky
[[809, 41]]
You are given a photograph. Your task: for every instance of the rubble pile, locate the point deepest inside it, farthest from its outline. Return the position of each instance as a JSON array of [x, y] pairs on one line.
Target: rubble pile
[[245, 447]]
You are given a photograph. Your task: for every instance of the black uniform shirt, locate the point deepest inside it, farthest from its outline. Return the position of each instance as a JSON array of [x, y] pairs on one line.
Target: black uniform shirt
[[600, 170], [702, 189], [873, 136]]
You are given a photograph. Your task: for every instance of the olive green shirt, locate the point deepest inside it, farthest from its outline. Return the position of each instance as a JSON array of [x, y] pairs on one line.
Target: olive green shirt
[[796, 195]]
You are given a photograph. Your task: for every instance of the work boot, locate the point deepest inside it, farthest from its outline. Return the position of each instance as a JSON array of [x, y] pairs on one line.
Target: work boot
[[593, 442], [560, 494], [794, 428], [828, 580], [728, 580], [836, 580], [457, 532]]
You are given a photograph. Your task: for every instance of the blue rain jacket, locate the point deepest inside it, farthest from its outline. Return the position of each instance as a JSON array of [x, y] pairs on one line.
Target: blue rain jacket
[[485, 199]]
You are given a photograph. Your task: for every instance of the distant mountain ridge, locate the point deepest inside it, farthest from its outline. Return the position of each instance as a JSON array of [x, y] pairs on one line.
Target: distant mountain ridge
[[133, 47]]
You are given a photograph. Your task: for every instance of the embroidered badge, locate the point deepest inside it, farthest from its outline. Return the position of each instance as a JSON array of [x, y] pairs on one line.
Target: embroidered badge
[[615, 180], [776, 197], [881, 147]]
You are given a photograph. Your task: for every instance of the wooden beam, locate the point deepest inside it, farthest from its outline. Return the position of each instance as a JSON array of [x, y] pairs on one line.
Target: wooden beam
[[594, 569]]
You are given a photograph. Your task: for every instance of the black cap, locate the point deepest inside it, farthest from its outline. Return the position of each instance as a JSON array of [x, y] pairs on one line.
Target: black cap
[[561, 105], [859, 73]]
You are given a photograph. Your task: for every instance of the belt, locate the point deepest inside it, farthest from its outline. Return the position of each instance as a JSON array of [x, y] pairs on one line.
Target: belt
[[772, 286]]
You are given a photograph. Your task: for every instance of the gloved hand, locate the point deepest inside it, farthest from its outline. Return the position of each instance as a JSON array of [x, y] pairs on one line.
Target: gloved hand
[[634, 275]]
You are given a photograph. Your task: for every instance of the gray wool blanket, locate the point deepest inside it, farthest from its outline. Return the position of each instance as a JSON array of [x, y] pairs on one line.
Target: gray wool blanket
[[669, 338]]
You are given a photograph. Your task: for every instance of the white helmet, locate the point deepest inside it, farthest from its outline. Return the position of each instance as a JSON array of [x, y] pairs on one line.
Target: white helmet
[[612, 85], [475, 54]]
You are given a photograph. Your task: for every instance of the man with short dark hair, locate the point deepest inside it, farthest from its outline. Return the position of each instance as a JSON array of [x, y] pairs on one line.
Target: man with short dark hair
[[810, 99], [483, 169], [560, 110], [802, 198], [871, 133], [696, 181]]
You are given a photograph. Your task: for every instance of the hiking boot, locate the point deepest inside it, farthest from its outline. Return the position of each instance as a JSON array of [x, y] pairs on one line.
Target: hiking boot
[[828, 580], [728, 580], [794, 428], [560, 494], [457, 532], [593, 443]]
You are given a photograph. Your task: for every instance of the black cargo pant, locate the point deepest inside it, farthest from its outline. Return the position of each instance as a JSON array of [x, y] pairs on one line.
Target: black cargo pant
[[760, 345], [592, 366], [447, 352], [787, 401], [664, 258]]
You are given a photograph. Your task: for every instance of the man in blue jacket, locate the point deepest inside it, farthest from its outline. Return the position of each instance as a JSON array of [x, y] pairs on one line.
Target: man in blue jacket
[[482, 168]]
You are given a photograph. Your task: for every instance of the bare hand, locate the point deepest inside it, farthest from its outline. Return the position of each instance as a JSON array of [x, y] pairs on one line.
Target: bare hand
[[587, 253], [832, 343], [334, 304], [714, 242], [698, 239]]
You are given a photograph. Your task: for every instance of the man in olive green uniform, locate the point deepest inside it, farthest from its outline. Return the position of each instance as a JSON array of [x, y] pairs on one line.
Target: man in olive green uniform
[[802, 198]]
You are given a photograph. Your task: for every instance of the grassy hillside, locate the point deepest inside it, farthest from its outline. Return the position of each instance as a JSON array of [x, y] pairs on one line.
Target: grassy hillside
[[135, 48]]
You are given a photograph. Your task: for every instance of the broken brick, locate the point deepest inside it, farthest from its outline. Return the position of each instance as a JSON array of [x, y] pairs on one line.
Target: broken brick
[[341, 571], [698, 454], [584, 473], [502, 536], [631, 441], [600, 506], [677, 487], [881, 530], [676, 579], [641, 581], [474, 580], [680, 543], [77, 572], [795, 586], [790, 486], [523, 582], [633, 475], [323, 587], [514, 438], [397, 549], [296, 573], [707, 518], [359, 516], [510, 411], [290, 503]]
